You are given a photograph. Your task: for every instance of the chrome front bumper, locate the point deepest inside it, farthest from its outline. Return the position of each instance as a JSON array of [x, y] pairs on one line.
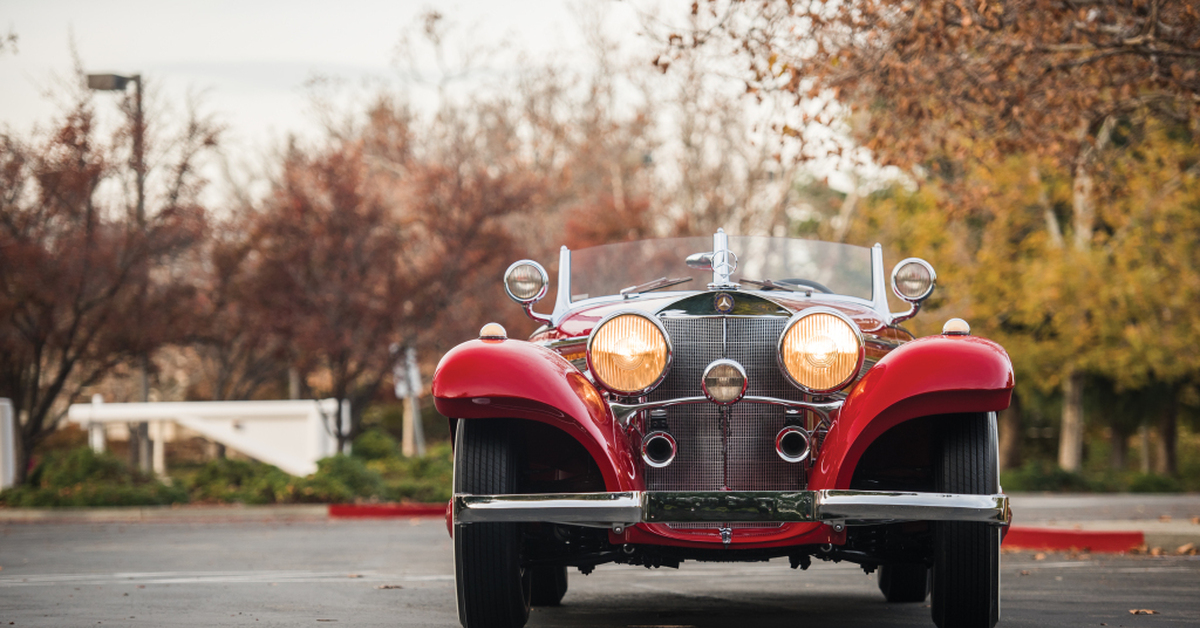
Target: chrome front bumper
[[832, 507]]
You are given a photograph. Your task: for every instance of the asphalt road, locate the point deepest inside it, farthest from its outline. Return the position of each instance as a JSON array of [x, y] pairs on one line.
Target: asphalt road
[[399, 573]]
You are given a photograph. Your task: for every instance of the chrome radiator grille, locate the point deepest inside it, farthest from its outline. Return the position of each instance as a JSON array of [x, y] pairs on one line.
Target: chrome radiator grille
[[748, 461]]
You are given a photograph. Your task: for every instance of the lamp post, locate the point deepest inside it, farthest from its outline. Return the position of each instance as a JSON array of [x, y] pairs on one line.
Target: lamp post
[[117, 83], [139, 455]]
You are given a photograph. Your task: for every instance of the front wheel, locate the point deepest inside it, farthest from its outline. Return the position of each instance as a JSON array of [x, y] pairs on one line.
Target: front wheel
[[493, 588], [966, 555]]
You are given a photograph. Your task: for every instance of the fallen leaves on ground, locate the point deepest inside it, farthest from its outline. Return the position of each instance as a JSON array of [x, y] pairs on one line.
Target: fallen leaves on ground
[[389, 586], [1024, 572], [1164, 518], [1196, 520], [1142, 611], [1039, 556], [1186, 550], [1157, 551]]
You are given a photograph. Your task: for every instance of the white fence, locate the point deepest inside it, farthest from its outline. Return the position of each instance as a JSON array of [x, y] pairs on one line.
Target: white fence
[[8, 445], [291, 435]]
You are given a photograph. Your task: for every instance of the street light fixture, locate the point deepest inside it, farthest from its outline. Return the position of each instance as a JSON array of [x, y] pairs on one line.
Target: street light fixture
[[117, 83]]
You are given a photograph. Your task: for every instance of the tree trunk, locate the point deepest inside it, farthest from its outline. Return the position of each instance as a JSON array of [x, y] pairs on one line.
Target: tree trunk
[[21, 453], [1166, 461], [1120, 450], [293, 382], [1010, 435], [1144, 434], [1070, 439]]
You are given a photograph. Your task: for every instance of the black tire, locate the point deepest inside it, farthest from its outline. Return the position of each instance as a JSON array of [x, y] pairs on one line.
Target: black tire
[[549, 585], [907, 582], [493, 588], [966, 555]]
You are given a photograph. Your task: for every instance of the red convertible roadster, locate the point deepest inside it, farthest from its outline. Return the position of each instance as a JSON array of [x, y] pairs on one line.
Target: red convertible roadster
[[668, 410]]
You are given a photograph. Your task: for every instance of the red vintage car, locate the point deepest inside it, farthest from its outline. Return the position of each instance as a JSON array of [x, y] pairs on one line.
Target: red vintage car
[[667, 410]]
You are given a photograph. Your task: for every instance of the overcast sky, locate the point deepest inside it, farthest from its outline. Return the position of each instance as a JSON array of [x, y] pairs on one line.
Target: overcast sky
[[251, 58]]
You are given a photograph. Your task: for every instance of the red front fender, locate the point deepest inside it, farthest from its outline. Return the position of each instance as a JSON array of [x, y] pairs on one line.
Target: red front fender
[[483, 379], [932, 375]]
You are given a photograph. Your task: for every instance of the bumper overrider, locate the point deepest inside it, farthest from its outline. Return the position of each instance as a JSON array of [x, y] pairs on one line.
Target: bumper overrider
[[834, 507]]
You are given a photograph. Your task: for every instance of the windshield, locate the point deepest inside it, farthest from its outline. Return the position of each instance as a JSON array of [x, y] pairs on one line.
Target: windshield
[[837, 268]]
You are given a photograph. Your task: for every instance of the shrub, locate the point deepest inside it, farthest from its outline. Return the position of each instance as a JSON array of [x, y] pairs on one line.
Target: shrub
[[340, 479], [1043, 476], [81, 477], [374, 445], [1151, 483], [245, 481]]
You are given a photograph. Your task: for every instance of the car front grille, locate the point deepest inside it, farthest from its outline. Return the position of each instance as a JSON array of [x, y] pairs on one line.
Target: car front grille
[[747, 460]]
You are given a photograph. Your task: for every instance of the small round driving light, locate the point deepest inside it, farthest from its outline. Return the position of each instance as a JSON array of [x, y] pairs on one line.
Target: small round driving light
[[526, 282], [724, 382], [628, 353], [913, 279], [956, 327], [493, 331], [821, 350]]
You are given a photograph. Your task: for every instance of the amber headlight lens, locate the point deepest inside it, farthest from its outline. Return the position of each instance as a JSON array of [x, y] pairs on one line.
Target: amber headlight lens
[[628, 353], [821, 351]]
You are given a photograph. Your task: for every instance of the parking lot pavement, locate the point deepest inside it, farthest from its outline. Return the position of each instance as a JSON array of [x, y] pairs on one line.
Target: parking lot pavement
[[400, 573]]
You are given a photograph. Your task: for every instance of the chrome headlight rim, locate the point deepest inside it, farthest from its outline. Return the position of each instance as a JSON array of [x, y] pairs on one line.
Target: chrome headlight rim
[[724, 362], [920, 262], [858, 336], [545, 277], [667, 362]]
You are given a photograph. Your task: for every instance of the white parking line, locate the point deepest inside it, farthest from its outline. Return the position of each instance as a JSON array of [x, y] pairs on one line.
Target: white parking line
[[213, 577]]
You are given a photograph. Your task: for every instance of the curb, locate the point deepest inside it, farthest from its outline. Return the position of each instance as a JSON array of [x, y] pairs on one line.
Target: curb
[[381, 511], [1098, 542]]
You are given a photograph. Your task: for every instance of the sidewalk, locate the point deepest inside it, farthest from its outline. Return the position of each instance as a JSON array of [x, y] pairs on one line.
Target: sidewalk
[[1070, 519]]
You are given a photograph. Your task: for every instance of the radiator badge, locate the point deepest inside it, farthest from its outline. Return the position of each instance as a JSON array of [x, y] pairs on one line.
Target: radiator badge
[[723, 303]]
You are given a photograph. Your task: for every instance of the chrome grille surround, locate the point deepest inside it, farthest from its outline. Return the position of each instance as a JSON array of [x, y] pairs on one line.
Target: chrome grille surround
[[751, 463]]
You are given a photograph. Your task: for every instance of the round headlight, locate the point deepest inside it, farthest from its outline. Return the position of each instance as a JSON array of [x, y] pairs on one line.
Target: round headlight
[[628, 353], [821, 350], [913, 279], [724, 382], [526, 282]]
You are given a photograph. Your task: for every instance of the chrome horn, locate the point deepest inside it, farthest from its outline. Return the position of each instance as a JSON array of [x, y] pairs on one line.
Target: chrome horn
[[792, 444], [658, 449]]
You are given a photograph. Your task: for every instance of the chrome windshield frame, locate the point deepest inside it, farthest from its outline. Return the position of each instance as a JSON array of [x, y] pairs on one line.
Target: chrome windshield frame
[[564, 306]]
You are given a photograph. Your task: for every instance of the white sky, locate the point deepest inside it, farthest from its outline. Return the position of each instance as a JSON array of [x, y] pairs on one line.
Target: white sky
[[250, 59]]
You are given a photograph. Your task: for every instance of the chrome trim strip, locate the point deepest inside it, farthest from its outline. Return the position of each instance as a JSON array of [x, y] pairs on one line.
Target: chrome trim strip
[[624, 411], [828, 506], [885, 505], [562, 301], [879, 284], [597, 509]]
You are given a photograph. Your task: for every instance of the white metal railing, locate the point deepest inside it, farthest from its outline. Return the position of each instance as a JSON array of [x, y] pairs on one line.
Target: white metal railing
[[291, 435]]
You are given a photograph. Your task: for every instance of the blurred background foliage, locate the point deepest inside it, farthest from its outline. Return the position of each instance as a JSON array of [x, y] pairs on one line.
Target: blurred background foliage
[[1046, 165]]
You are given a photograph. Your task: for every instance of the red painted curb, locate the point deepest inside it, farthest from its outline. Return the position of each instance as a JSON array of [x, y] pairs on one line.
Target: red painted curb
[[386, 510], [1021, 537]]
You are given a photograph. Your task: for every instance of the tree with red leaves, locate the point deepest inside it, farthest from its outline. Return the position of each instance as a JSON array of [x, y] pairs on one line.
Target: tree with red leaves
[[83, 286]]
